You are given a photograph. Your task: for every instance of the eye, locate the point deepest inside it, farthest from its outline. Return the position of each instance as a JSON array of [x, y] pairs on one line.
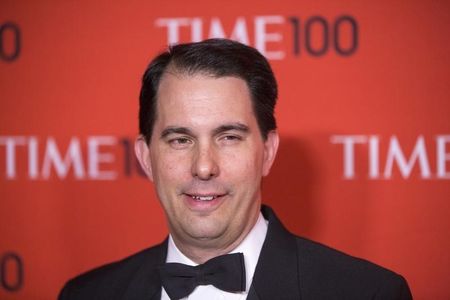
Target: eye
[[180, 142], [230, 139]]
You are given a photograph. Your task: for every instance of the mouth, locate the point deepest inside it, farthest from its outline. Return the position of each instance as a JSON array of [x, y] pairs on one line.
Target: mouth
[[204, 202], [204, 197]]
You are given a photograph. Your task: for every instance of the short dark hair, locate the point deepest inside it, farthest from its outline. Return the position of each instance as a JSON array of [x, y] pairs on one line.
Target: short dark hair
[[217, 58]]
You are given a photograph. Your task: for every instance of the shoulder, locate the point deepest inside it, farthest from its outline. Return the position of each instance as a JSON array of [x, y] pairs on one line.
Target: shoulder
[[112, 279], [323, 269], [326, 273]]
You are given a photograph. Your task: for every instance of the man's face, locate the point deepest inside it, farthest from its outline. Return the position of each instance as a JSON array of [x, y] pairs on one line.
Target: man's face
[[206, 158]]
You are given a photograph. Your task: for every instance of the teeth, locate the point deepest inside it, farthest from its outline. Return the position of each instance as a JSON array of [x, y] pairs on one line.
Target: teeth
[[204, 198]]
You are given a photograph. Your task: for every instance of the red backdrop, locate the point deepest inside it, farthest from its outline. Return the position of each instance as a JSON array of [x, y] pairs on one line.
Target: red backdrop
[[363, 115]]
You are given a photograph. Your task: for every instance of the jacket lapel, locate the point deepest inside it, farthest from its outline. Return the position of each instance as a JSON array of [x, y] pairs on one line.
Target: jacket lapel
[[276, 274], [146, 283]]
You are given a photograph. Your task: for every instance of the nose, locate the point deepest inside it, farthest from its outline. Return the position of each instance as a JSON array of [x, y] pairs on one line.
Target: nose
[[205, 165]]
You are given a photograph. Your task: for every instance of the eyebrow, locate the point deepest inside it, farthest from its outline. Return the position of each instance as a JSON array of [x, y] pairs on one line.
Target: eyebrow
[[175, 130], [184, 130], [229, 127]]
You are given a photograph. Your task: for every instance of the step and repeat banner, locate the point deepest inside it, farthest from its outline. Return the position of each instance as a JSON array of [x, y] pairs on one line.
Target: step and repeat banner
[[363, 114]]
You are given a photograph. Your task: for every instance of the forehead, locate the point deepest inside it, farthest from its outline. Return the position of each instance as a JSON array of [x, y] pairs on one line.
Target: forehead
[[185, 98]]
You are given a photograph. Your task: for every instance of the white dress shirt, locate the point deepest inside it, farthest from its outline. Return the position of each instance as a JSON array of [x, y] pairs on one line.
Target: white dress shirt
[[250, 247]]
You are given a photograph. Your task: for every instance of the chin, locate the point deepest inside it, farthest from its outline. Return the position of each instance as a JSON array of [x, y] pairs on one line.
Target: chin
[[205, 231]]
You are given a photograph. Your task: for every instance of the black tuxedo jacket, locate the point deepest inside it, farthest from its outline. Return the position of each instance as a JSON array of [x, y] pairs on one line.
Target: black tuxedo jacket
[[289, 267]]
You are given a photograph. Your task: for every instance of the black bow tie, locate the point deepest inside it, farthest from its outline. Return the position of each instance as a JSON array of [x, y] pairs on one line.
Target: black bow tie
[[225, 272]]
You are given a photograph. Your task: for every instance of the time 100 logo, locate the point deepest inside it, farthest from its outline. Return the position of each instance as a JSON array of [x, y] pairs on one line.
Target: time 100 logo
[[11, 272], [275, 36], [10, 41]]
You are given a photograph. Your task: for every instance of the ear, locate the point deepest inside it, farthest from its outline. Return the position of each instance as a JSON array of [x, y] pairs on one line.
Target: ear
[[270, 151], [143, 155]]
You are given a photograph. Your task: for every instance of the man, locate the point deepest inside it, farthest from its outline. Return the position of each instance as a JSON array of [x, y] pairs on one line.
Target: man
[[208, 136]]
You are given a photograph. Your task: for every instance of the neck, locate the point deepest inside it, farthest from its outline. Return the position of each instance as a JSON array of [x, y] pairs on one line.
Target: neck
[[202, 250]]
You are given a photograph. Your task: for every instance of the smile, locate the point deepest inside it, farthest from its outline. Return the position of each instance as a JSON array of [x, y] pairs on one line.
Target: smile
[[204, 198], [204, 202]]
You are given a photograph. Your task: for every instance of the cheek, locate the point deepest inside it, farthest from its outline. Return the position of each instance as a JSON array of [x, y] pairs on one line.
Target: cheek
[[170, 167], [242, 166]]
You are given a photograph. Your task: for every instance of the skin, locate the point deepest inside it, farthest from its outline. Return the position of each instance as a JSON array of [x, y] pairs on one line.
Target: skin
[[206, 158]]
